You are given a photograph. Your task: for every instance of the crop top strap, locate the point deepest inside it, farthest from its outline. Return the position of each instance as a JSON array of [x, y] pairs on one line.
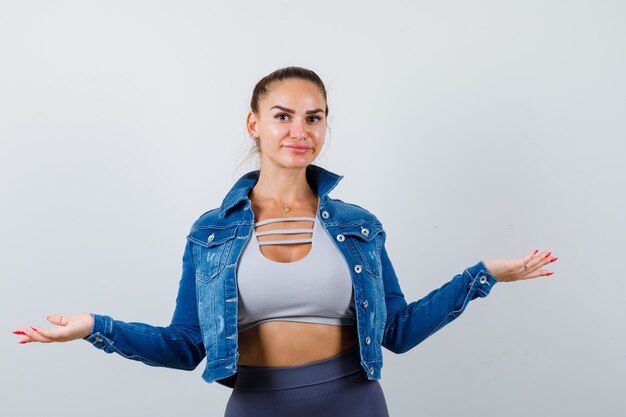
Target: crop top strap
[[284, 231], [283, 219]]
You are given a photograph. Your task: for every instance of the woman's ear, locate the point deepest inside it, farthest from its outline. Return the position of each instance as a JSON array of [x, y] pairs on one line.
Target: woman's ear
[[251, 123]]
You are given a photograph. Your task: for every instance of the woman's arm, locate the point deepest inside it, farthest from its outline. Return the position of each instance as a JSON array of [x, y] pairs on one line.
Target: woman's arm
[[178, 345], [409, 324]]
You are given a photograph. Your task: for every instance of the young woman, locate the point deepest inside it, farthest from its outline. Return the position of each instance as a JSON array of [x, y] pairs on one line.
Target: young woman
[[288, 293]]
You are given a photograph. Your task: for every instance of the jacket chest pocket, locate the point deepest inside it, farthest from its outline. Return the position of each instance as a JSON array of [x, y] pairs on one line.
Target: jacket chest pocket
[[364, 243], [212, 250]]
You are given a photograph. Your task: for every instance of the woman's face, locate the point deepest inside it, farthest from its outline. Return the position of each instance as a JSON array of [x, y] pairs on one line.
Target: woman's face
[[291, 125]]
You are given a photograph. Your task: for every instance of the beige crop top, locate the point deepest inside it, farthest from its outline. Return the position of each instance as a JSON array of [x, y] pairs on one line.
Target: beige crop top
[[314, 289]]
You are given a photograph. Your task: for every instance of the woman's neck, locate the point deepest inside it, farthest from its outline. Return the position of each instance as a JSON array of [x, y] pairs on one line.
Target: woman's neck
[[284, 185]]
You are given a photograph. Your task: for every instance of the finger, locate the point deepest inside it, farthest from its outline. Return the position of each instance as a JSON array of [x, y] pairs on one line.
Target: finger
[[36, 336], [25, 340], [530, 255], [56, 334], [59, 320], [537, 274], [539, 261], [523, 262], [22, 332], [31, 334]]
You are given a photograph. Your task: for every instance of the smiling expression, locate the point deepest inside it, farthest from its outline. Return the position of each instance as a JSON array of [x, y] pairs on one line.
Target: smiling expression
[[291, 126]]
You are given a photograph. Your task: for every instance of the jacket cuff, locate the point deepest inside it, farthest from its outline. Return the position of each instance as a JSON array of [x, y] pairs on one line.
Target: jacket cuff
[[102, 331], [480, 279]]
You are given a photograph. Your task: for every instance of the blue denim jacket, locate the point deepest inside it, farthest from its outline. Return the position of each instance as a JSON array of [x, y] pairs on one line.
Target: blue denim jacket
[[204, 323]]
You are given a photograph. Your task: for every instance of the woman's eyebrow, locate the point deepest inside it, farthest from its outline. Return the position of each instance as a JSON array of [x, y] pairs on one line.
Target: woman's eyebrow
[[285, 109]]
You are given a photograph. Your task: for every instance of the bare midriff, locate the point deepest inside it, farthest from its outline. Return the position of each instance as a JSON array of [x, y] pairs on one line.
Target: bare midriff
[[288, 343]]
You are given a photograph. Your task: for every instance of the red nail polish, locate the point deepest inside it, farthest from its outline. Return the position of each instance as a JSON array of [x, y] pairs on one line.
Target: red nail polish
[[553, 259], [22, 342], [547, 254], [19, 332], [536, 250], [33, 328], [549, 273]]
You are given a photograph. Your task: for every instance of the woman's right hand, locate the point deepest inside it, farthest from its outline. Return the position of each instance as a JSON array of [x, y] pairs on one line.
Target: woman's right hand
[[68, 328]]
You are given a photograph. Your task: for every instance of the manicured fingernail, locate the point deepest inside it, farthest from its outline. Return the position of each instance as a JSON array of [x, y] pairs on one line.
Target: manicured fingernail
[[553, 259], [33, 328], [19, 332], [548, 254], [549, 273], [22, 342], [536, 250]]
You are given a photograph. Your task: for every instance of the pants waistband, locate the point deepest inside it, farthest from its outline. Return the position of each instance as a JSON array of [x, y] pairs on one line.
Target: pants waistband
[[264, 378]]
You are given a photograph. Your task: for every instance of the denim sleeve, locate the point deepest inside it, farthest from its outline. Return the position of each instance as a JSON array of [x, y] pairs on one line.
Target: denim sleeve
[[409, 324], [178, 345]]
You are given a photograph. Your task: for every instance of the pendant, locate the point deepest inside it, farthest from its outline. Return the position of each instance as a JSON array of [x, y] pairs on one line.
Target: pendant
[[286, 209]]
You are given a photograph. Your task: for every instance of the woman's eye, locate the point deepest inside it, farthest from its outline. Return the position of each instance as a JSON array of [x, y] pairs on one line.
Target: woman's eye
[[284, 117]]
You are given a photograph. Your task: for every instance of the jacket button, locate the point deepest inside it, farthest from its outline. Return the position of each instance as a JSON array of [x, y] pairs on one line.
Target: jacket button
[[325, 214], [364, 231], [210, 238], [341, 237], [365, 304], [483, 279], [98, 339], [368, 340], [357, 269], [371, 371]]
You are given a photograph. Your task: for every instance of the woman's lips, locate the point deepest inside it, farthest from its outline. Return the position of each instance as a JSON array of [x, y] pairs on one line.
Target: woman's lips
[[298, 149]]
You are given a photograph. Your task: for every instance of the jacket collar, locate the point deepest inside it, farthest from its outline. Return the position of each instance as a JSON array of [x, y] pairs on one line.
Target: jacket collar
[[321, 181]]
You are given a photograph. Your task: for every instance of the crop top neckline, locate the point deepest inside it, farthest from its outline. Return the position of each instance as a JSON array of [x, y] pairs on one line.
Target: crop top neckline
[[314, 230]]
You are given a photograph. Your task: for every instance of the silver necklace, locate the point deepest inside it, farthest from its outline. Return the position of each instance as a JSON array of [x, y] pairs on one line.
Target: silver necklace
[[286, 208]]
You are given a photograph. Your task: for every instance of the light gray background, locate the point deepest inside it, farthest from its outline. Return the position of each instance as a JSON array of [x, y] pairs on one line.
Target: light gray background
[[473, 130]]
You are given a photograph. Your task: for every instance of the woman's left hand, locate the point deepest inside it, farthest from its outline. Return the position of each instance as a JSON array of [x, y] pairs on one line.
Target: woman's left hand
[[506, 270]]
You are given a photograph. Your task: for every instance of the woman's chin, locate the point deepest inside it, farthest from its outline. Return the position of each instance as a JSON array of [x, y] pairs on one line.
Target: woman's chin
[[291, 161], [297, 161], [299, 164]]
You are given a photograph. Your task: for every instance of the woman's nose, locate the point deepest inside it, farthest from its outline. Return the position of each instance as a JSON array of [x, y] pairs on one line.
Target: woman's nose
[[298, 129]]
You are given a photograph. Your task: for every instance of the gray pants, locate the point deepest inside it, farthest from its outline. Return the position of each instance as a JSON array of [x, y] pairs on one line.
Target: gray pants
[[332, 387]]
